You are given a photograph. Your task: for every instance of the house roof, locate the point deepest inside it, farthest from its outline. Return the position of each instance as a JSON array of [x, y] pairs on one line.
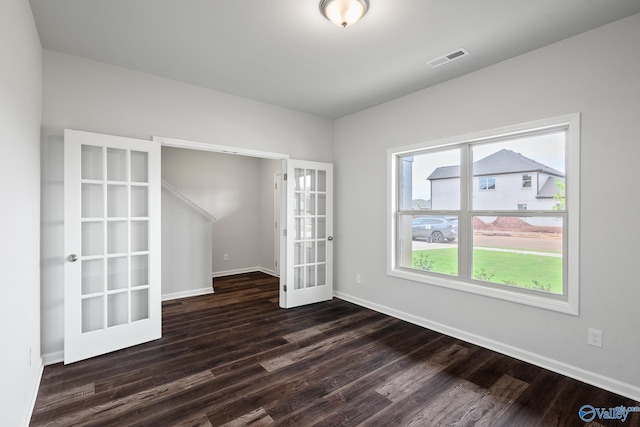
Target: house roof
[[548, 189], [421, 204], [501, 162]]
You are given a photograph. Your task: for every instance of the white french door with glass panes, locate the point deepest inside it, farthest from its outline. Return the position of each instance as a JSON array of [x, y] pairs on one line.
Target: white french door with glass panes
[[112, 243], [309, 266]]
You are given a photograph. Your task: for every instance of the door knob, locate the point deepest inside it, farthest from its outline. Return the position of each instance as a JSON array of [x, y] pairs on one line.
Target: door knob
[[330, 238], [72, 258]]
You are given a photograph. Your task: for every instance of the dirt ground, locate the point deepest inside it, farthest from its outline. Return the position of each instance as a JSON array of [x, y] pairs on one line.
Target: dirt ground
[[533, 242]]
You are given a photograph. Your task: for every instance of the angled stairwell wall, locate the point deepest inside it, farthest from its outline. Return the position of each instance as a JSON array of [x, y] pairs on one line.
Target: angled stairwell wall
[[186, 246]]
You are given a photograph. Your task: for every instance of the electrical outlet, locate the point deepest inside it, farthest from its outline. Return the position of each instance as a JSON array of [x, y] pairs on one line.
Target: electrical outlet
[[358, 279], [226, 257], [595, 338]]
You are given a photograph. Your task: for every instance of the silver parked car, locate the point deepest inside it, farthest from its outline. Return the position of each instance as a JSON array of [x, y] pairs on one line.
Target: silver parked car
[[434, 228]]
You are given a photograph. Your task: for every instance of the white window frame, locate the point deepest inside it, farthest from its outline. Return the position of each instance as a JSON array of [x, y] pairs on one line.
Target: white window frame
[[530, 181], [567, 303]]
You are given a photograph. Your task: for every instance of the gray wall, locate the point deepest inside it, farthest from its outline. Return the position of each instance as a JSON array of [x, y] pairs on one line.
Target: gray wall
[[92, 96], [596, 74], [20, 106]]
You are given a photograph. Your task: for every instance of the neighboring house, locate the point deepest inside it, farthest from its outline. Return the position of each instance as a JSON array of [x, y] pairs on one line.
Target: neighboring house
[[420, 204], [503, 180]]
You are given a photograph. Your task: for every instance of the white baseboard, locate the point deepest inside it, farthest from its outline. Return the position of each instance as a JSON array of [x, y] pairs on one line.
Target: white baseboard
[[52, 358], [241, 271], [186, 294], [610, 384], [34, 395]]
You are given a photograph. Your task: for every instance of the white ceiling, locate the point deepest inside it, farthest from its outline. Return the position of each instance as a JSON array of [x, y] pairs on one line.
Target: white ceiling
[[284, 52]]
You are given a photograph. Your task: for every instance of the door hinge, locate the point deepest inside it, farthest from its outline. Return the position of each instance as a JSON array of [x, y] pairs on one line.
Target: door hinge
[[276, 263], [285, 177], [284, 232], [285, 288]]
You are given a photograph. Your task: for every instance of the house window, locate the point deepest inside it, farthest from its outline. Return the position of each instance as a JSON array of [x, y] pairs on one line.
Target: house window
[[487, 183], [474, 240]]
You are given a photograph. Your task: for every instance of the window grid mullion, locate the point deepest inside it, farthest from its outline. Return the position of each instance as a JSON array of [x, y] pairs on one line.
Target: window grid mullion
[[465, 237]]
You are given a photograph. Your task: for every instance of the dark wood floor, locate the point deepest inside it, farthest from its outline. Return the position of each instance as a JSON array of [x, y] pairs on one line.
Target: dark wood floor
[[235, 358]]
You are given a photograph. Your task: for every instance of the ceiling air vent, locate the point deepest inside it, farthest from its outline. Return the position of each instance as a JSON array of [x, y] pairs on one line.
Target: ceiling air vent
[[447, 58]]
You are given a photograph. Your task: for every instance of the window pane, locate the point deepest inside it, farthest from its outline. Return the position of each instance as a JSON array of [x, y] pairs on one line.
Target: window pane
[[430, 181], [429, 243], [528, 171], [519, 251]]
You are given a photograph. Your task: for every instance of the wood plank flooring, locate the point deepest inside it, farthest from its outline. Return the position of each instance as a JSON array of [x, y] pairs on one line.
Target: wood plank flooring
[[234, 358]]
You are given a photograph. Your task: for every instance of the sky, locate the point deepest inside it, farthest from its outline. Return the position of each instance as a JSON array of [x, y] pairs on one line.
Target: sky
[[547, 149]]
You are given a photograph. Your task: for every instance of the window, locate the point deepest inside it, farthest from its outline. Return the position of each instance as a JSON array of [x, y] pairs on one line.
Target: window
[[468, 238], [487, 183]]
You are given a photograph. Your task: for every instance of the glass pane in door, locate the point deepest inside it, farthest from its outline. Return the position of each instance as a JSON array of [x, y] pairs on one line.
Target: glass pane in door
[[139, 236], [139, 166], [116, 237], [117, 201], [139, 270], [117, 309], [310, 209], [92, 314], [92, 239], [117, 269], [139, 305], [116, 164], [91, 162], [92, 201], [92, 276], [139, 201]]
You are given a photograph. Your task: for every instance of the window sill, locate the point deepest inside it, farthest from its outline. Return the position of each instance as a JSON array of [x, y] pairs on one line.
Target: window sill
[[568, 306]]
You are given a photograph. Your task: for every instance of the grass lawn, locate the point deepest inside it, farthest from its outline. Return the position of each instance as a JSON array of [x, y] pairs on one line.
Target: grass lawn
[[497, 267]]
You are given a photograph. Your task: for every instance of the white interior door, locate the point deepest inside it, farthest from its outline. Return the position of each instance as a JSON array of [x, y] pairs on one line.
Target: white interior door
[[309, 266], [112, 243], [277, 200]]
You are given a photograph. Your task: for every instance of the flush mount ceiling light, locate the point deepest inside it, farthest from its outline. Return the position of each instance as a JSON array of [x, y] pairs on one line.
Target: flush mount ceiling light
[[344, 13]]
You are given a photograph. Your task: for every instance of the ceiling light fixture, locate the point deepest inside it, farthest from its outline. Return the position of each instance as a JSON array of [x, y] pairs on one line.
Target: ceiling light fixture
[[344, 13]]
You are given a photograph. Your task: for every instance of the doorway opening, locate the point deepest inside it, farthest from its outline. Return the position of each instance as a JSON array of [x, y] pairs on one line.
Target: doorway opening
[[259, 244]]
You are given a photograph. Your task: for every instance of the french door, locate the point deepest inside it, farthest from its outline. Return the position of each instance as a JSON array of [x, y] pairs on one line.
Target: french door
[[112, 243], [309, 237]]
